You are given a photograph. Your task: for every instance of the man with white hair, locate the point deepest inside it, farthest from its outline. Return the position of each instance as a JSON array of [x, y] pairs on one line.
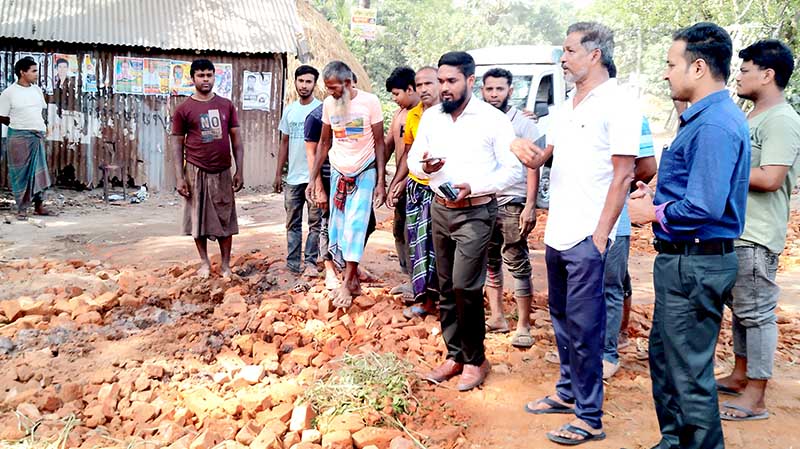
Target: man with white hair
[[594, 142], [352, 135]]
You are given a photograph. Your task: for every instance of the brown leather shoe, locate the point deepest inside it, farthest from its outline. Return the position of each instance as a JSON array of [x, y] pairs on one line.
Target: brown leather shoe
[[473, 376], [447, 370]]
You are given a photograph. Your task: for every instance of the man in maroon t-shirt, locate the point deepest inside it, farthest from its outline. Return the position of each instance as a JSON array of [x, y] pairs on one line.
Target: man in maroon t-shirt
[[203, 129]]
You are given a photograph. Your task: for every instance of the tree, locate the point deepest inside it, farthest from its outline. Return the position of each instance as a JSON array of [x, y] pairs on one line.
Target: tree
[[644, 30]]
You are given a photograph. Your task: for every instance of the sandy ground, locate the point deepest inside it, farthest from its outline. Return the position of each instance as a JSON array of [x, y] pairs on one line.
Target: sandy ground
[[144, 236]]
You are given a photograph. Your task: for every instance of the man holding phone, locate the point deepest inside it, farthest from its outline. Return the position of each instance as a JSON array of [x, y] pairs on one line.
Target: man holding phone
[[462, 149]]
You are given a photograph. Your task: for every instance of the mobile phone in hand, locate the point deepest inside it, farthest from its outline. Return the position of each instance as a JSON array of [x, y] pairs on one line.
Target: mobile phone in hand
[[449, 192], [432, 160]]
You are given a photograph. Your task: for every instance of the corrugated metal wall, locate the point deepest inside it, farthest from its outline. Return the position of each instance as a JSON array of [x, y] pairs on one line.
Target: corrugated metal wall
[[139, 125]]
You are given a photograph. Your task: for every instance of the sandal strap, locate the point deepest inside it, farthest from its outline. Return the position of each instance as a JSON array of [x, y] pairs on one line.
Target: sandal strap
[[739, 408], [554, 404], [585, 434]]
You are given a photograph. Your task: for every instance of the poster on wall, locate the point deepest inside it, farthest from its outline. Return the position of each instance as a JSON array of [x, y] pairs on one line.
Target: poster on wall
[[223, 80], [63, 67], [156, 76], [256, 89], [180, 83], [4, 72], [128, 75], [89, 74]]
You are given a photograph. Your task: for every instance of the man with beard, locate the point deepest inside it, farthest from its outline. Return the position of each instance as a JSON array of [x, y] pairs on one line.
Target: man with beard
[[594, 141], [204, 127], [352, 133], [775, 139], [422, 260], [462, 148], [401, 85], [293, 148], [516, 218], [698, 211]]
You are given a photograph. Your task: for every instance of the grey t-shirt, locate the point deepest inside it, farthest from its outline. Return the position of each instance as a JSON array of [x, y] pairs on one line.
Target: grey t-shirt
[[524, 127], [775, 140]]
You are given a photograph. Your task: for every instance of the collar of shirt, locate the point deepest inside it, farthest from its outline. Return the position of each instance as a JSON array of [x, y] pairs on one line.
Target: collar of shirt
[[599, 90], [695, 109]]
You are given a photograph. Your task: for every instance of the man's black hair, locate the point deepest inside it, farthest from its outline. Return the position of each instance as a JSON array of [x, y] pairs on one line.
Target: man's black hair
[[401, 78], [200, 64], [771, 54], [61, 60], [612, 70], [23, 65], [711, 43], [460, 59], [305, 70], [497, 72]]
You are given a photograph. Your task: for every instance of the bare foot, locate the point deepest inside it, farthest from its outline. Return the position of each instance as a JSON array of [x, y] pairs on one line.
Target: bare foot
[[732, 383], [497, 325], [365, 276], [204, 272], [342, 298], [332, 281], [226, 272]]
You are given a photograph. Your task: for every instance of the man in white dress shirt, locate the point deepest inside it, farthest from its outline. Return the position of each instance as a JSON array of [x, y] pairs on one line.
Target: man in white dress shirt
[[462, 147], [594, 142]]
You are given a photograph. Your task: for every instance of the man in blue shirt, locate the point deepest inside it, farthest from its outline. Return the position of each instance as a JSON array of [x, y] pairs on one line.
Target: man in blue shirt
[[293, 149], [698, 211]]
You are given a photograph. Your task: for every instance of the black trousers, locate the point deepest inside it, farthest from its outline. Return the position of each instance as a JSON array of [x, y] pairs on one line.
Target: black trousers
[[690, 292], [460, 240]]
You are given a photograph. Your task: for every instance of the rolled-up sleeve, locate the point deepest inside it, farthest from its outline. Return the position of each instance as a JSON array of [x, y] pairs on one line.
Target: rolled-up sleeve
[[507, 172], [711, 170]]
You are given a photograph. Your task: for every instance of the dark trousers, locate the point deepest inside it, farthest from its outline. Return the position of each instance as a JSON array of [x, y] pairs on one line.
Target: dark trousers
[[294, 202], [578, 311], [690, 292], [460, 239], [400, 235]]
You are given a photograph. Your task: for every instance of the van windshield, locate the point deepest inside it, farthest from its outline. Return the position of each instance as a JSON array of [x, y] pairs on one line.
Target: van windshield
[[519, 97]]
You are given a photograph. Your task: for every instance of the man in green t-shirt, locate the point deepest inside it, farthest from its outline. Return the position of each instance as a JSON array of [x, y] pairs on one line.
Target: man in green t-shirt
[[766, 68]]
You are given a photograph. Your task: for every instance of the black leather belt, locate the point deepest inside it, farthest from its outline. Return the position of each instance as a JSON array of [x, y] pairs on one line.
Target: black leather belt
[[696, 248]]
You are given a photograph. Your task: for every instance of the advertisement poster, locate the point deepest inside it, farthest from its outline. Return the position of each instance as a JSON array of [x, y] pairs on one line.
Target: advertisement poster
[[363, 23], [62, 68], [156, 76], [180, 83], [89, 74], [6, 72], [223, 80], [128, 75], [256, 90]]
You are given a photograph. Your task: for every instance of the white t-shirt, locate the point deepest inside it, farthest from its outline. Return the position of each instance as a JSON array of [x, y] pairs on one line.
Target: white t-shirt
[[608, 122], [23, 106]]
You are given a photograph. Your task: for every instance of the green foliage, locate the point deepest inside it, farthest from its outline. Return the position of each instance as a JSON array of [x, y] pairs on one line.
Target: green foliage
[[365, 382], [416, 33], [644, 28]]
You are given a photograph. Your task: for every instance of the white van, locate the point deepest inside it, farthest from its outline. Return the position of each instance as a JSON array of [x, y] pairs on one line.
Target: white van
[[538, 85]]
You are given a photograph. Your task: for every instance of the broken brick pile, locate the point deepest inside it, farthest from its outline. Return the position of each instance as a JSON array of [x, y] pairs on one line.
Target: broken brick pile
[[158, 357]]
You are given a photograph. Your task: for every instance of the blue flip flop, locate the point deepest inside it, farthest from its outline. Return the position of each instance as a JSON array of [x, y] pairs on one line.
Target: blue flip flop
[[555, 408], [749, 414], [585, 434]]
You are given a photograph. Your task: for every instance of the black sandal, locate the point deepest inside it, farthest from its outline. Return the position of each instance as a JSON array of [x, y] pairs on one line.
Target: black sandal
[[585, 434], [555, 407]]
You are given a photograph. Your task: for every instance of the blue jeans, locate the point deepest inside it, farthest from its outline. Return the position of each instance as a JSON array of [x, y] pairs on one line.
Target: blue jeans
[[614, 285], [294, 201], [578, 310]]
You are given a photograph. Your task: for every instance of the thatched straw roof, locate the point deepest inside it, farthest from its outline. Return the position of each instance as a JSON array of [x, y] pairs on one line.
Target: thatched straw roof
[[326, 44]]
